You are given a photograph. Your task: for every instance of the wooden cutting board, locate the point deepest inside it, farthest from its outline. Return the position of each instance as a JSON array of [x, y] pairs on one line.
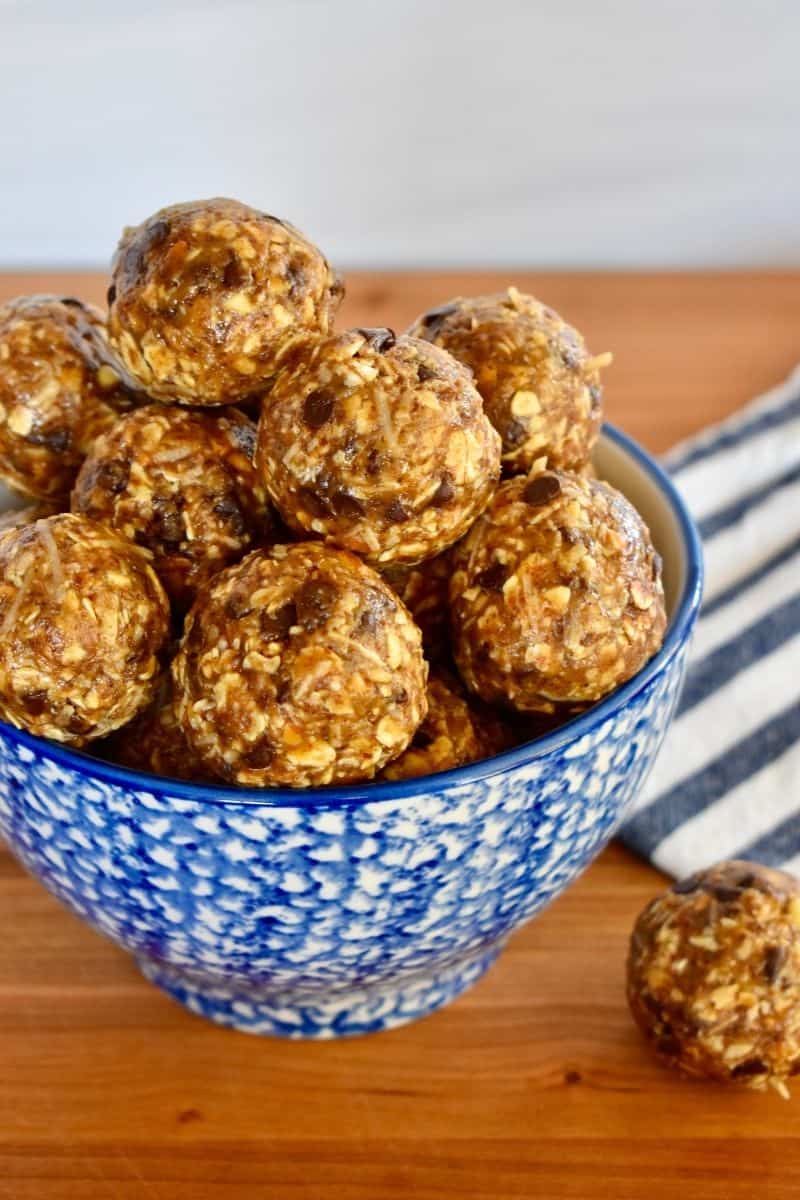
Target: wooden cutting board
[[535, 1083]]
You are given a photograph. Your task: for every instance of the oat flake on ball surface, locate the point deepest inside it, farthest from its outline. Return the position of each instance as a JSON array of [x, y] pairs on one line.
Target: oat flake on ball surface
[[299, 667], [378, 444], [83, 620], [207, 299]]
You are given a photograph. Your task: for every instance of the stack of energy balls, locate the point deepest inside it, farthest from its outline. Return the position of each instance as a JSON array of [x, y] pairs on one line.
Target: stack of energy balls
[[251, 533]]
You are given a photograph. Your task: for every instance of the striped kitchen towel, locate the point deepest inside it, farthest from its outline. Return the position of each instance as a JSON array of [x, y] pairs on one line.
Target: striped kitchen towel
[[727, 782]]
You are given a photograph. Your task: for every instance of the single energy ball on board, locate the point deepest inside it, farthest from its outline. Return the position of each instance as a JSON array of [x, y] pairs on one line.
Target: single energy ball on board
[[425, 589], [378, 444], [714, 974], [180, 482], [540, 386], [556, 595], [155, 742], [208, 298], [83, 619], [59, 389], [455, 731], [299, 667]]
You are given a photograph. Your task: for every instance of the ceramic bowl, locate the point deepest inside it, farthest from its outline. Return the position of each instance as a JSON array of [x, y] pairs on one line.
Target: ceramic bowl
[[350, 909]]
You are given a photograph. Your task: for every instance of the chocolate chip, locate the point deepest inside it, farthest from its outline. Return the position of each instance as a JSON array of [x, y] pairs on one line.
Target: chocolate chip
[[515, 433], [155, 232], [424, 373], [669, 1046], [275, 626], [422, 739], [111, 295], [380, 340], [684, 886], [259, 755], [317, 407], [724, 893], [493, 577], [71, 302], [751, 1066], [168, 523], [238, 605], [55, 440], [570, 351], [243, 436], [345, 504], [541, 490], [315, 602], [315, 504], [444, 492], [35, 702], [227, 508], [282, 690], [373, 614], [434, 318], [747, 881], [233, 276], [774, 962], [397, 512], [113, 475], [374, 462]]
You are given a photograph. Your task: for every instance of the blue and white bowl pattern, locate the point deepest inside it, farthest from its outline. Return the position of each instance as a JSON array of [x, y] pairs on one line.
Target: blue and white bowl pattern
[[342, 910]]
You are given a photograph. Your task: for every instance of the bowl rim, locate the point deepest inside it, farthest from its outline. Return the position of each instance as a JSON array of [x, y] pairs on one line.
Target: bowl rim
[[340, 796]]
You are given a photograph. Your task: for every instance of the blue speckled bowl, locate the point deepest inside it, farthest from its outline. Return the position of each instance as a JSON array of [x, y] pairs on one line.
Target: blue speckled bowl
[[346, 910]]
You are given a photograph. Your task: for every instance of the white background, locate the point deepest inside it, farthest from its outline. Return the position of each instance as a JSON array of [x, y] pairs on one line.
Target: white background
[[571, 132]]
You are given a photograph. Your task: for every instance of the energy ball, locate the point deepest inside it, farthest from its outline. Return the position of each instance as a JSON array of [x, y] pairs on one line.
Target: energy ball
[[379, 445], [59, 389], [455, 731], [208, 298], [154, 741], [83, 619], [714, 975], [556, 595], [540, 387], [299, 667], [424, 590], [181, 483]]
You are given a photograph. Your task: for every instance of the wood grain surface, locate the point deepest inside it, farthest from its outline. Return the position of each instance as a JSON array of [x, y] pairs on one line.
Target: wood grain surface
[[535, 1083]]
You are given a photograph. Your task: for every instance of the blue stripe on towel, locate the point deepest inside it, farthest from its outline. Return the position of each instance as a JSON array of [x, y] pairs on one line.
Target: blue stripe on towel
[[733, 513], [775, 847], [753, 643], [725, 439], [734, 766]]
